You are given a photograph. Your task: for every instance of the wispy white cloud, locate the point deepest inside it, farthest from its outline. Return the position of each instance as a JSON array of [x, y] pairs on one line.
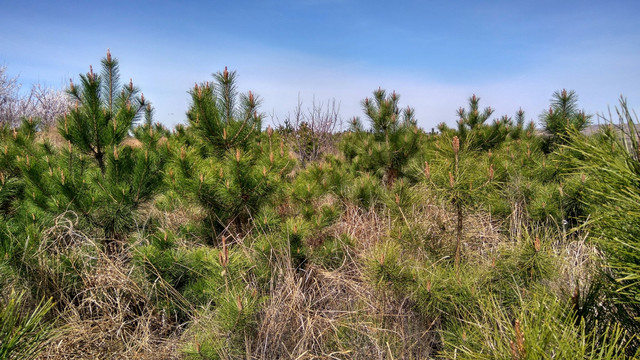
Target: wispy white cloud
[[166, 66]]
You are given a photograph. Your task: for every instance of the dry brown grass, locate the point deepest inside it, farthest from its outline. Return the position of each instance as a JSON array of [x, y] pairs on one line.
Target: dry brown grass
[[339, 314], [319, 314], [109, 310], [132, 142], [51, 135]]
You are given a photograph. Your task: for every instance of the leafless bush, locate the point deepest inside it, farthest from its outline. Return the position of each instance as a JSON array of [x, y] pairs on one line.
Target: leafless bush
[[40, 102], [312, 130]]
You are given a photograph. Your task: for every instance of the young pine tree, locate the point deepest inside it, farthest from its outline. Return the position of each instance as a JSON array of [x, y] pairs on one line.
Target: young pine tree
[[104, 111], [394, 141], [462, 176], [563, 117], [231, 167], [96, 175]]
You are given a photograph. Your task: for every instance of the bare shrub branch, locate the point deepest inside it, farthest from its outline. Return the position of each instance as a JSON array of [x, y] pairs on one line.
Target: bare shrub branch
[[41, 102], [311, 130]]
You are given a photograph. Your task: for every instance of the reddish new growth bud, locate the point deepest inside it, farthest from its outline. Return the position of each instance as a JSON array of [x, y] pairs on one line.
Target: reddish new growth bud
[[397, 199], [238, 155], [183, 153], [2, 178], [427, 170], [91, 76], [491, 172], [269, 131], [564, 93], [108, 55], [251, 98], [223, 256], [15, 134], [536, 244], [394, 96], [393, 118], [264, 171], [142, 98], [381, 260], [366, 101], [225, 74], [451, 179], [239, 303], [489, 154], [474, 98], [583, 178], [130, 84], [201, 177], [271, 157], [456, 144], [550, 111], [115, 153], [71, 85]]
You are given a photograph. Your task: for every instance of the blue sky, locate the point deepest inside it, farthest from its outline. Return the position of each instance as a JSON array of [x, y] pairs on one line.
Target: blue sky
[[435, 54]]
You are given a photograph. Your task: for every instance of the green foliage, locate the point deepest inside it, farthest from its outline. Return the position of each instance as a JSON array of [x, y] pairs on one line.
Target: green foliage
[[94, 175], [524, 264], [440, 291], [230, 166], [23, 331], [386, 269], [333, 252], [104, 111], [474, 130], [563, 117], [609, 170], [366, 191], [360, 243], [461, 176], [394, 139], [540, 327]]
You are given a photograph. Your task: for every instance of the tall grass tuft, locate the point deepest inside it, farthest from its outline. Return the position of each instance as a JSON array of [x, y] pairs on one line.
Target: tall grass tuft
[[609, 167], [23, 331]]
